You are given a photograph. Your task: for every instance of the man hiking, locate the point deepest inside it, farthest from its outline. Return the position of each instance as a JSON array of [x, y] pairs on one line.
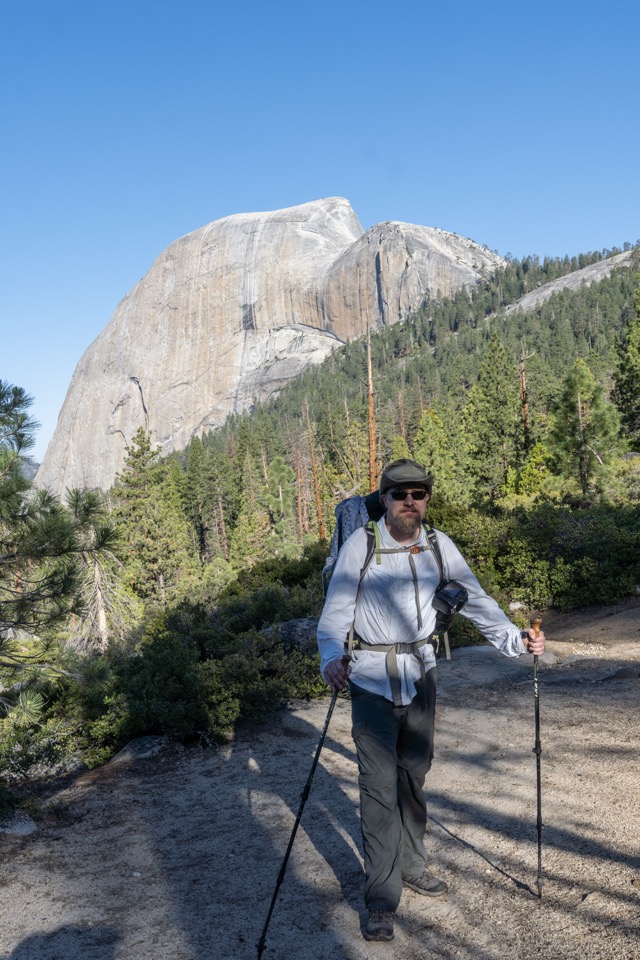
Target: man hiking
[[392, 676]]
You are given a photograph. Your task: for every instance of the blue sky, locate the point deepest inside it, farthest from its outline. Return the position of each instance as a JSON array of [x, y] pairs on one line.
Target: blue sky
[[128, 124]]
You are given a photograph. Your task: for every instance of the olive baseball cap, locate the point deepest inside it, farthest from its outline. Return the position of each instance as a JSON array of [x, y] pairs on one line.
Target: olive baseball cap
[[404, 471]]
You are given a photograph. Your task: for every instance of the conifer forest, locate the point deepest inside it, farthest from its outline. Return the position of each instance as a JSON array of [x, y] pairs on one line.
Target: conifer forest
[[157, 607]]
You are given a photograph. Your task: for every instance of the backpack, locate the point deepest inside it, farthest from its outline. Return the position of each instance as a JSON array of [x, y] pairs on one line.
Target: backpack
[[350, 514], [358, 511]]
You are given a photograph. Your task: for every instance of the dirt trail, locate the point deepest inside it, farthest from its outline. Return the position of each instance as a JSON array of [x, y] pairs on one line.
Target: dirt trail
[[175, 857]]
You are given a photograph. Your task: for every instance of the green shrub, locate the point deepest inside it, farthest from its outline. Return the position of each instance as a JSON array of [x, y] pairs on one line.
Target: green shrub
[[256, 680], [24, 747], [551, 554], [162, 685], [108, 732], [286, 572]]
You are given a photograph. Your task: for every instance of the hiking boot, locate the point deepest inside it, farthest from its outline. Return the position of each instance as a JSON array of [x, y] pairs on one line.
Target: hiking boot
[[426, 884], [379, 925]]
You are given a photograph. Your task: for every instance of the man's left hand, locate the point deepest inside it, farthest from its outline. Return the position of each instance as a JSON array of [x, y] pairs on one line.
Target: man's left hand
[[532, 643]]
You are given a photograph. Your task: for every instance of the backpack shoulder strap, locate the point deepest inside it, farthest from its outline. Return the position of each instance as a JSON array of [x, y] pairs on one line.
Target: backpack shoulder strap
[[432, 540], [371, 530], [373, 543]]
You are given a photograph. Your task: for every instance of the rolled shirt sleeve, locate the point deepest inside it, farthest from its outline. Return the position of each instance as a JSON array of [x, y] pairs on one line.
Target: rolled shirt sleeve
[[481, 609]]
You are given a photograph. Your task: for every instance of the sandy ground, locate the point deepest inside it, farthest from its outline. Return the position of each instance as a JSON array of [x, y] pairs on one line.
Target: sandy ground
[[176, 855]]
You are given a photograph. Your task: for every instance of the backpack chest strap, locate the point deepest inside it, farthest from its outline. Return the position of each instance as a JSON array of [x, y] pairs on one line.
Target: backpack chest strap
[[410, 552]]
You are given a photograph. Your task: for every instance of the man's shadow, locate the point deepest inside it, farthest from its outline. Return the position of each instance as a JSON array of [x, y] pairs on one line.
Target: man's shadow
[[71, 942], [329, 817]]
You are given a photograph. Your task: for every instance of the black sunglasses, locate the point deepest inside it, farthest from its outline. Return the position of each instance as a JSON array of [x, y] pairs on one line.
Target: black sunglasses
[[403, 494]]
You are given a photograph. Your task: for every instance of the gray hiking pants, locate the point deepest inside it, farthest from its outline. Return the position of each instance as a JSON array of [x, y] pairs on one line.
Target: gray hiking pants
[[395, 748]]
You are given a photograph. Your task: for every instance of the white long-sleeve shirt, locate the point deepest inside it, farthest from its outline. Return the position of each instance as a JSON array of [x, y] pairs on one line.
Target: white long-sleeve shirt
[[386, 610]]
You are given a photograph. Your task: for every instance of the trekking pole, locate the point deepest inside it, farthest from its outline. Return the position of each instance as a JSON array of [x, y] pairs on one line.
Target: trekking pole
[[535, 623], [303, 800]]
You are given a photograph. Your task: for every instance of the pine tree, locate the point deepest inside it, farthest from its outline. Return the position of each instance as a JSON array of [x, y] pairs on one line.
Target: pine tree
[[440, 449], [249, 542], [279, 500], [212, 499], [40, 547], [107, 608], [535, 471], [39, 539], [193, 496], [157, 550], [400, 449], [627, 375], [315, 478], [492, 422], [349, 454], [585, 434]]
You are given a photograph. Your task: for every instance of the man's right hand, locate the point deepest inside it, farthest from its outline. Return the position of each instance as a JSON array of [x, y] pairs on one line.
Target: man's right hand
[[336, 673]]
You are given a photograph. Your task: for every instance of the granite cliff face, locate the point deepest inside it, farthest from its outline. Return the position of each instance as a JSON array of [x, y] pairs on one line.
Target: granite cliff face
[[229, 313], [387, 272]]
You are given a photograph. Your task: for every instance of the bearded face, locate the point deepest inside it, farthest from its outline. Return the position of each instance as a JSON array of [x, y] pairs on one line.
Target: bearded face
[[403, 517]]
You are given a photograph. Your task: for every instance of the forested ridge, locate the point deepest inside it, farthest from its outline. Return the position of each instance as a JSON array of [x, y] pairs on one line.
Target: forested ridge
[[155, 608], [425, 373]]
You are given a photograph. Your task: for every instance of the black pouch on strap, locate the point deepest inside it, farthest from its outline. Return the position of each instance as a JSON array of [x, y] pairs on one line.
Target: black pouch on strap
[[449, 598]]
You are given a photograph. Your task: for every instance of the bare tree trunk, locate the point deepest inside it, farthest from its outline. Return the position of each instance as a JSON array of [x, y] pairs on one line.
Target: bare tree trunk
[[329, 421], [101, 611], [316, 486], [352, 448]]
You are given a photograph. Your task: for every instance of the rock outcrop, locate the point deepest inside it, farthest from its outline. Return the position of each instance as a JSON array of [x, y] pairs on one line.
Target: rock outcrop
[[387, 272], [229, 313], [572, 281]]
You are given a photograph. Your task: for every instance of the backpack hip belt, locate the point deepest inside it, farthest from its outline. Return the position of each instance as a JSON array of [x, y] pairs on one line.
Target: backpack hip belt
[[391, 661]]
